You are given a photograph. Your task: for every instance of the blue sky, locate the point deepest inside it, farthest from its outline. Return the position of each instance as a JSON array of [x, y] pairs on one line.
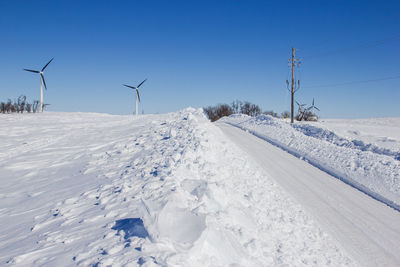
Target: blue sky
[[200, 53]]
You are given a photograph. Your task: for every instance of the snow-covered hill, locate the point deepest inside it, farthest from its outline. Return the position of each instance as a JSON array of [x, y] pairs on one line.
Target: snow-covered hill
[[157, 190], [364, 153]]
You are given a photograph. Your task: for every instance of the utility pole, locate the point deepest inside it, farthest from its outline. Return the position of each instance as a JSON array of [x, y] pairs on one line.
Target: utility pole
[[292, 91], [295, 85]]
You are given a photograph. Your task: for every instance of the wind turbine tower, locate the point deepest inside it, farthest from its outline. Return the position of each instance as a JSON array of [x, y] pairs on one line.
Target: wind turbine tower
[[42, 81], [313, 107], [137, 94]]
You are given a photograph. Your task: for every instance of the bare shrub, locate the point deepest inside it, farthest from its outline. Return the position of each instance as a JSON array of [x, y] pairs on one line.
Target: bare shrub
[[211, 113], [19, 106], [216, 112]]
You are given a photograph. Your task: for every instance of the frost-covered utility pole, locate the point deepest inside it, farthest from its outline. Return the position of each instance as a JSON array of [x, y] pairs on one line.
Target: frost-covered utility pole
[[295, 85]]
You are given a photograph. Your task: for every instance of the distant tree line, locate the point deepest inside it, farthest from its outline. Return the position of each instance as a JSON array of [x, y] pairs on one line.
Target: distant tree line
[[236, 107], [19, 106]]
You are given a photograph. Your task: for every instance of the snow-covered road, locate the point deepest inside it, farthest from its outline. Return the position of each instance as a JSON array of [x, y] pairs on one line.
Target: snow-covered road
[[86, 189], [366, 228]]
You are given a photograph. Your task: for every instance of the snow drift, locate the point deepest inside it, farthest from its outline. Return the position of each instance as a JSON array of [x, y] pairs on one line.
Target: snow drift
[[156, 190]]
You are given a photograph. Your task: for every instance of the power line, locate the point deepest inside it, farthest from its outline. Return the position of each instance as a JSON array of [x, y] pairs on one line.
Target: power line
[[355, 82], [385, 20], [356, 47]]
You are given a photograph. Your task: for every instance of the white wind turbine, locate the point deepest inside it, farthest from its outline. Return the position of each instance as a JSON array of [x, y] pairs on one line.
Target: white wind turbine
[[42, 81], [137, 94], [313, 107]]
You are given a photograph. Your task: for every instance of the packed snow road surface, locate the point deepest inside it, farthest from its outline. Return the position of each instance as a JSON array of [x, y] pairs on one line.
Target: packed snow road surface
[[368, 229], [363, 153]]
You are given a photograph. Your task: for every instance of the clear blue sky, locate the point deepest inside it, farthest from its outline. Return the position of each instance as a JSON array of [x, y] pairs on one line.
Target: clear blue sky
[[200, 53]]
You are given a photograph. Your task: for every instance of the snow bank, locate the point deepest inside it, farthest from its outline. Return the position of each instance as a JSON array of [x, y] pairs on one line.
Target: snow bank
[[372, 168], [156, 190]]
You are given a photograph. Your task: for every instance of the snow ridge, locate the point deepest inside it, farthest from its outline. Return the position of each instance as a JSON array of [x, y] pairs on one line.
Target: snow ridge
[[331, 137]]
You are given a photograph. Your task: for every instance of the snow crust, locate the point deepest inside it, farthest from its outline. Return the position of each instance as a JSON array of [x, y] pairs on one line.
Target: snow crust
[[157, 190], [364, 153]]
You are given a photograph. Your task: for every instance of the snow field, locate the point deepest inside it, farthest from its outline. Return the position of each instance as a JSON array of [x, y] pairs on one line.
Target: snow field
[[372, 168], [169, 190], [380, 132]]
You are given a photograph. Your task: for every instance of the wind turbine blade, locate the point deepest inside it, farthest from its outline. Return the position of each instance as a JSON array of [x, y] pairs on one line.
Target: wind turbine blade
[[44, 82], [35, 71], [317, 108], [141, 83], [47, 64], [298, 103], [129, 86], [137, 92]]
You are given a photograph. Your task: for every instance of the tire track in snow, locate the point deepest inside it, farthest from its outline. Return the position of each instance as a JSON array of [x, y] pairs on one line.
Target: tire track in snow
[[368, 229]]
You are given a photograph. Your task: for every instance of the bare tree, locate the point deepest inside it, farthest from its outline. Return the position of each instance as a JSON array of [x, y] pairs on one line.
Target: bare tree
[[21, 103], [250, 109], [216, 112], [236, 106], [35, 106], [14, 107], [28, 107], [224, 110], [8, 106], [211, 113], [3, 107]]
